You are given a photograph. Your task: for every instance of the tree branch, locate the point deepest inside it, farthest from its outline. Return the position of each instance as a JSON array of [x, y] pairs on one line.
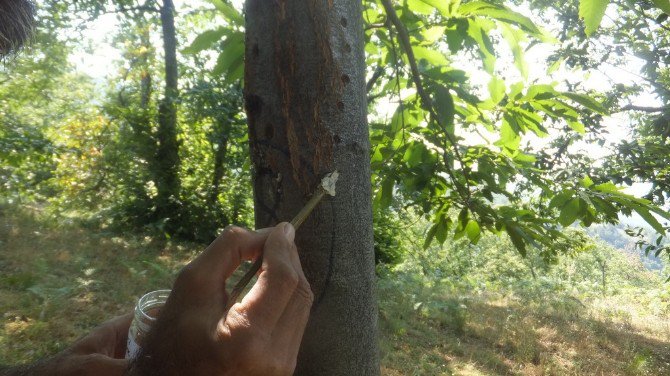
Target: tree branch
[[427, 102], [375, 76], [632, 107]]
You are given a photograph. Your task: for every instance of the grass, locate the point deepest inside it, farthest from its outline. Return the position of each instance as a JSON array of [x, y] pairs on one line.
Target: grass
[[58, 280], [439, 330]]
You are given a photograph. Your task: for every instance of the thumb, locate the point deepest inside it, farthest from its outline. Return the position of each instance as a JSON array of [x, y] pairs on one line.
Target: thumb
[[280, 242]]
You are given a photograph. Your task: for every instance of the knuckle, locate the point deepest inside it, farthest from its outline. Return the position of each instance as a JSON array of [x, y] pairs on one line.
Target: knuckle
[[304, 290], [191, 278], [232, 233], [187, 274], [287, 277]]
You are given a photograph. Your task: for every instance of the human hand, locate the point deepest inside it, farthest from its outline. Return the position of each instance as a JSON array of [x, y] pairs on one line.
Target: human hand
[[261, 335], [98, 354]]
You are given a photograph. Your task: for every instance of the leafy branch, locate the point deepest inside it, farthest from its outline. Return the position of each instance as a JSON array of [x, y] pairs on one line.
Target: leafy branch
[[403, 38]]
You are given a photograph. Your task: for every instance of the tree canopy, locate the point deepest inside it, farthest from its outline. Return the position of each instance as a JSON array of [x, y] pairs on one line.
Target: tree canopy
[[484, 117]]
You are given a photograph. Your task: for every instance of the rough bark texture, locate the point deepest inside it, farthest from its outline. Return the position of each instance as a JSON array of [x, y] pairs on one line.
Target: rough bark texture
[[306, 107], [167, 155]]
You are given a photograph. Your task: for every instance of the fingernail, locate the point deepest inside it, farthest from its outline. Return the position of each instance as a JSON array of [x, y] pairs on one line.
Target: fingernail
[[289, 232]]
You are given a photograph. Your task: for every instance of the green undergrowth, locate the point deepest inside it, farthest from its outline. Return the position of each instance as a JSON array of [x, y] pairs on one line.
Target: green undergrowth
[[59, 279], [536, 327]]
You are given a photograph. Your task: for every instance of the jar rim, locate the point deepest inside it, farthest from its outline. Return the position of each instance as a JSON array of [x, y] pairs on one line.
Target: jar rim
[[151, 300]]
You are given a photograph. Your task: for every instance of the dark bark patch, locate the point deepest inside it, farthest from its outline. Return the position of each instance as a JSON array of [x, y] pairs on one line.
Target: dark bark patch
[[345, 79], [337, 139], [253, 104], [347, 47], [343, 22], [255, 51], [269, 131], [340, 105]]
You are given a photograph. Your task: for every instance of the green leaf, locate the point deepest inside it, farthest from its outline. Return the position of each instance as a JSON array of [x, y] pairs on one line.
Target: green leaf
[[445, 7], [442, 230], [585, 101], [473, 231], [570, 212], [231, 57], [514, 39], [429, 55], [501, 13], [540, 92], [444, 106], [608, 187], [516, 235], [663, 5], [521, 158], [416, 155], [231, 14], [577, 127], [649, 218], [386, 197], [561, 199], [509, 137], [433, 34], [497, 89], [429, 236], [205, 40], [478, 31], [419, 6], [586, 181], [592, 11]]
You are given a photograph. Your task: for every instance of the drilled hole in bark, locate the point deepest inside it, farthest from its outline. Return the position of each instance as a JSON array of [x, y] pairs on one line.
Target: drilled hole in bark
[[340, 105], [255, 51], [343, 21], [345, 79], [269, 131], [253, 104], [347, 47], [337, 138]]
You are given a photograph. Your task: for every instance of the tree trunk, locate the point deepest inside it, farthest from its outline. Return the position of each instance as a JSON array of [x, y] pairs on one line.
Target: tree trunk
[[603, 274], [220, 149], [167, 155], [306, 106]]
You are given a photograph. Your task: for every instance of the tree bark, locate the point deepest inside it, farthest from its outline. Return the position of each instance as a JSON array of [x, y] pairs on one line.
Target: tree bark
[[305, 98], [220, 149], [168, 184]]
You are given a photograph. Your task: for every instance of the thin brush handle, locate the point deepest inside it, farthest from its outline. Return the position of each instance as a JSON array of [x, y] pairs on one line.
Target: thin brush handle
[[296, 222]]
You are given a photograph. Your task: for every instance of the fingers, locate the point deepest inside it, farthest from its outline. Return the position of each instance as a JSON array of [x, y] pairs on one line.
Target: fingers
[[265, 303], [121, 325], [108, 339], [291, 326], [221, 258]]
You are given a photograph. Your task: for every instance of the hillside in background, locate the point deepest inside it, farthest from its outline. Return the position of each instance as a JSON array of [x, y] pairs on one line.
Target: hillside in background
[[456, 310], [615, 236]]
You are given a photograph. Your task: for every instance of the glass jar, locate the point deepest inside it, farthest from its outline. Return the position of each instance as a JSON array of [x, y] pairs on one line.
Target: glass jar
[[146, 311]]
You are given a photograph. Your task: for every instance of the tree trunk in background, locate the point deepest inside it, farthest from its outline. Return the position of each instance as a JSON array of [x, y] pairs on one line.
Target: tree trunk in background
[[167, 154], [220, 149], [306, 106]]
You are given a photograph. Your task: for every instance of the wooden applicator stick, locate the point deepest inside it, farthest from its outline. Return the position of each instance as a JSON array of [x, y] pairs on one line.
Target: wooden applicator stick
[[327, 187]]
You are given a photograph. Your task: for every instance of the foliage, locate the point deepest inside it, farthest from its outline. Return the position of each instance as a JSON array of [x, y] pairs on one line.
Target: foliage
[[468, 143], [434, 151], [432, 323]]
